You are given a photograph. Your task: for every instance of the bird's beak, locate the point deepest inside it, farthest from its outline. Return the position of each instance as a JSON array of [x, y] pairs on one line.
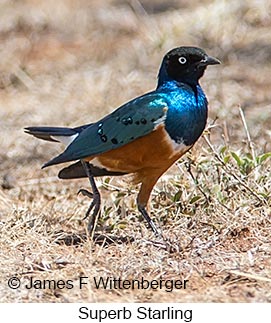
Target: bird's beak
[[209, 60]]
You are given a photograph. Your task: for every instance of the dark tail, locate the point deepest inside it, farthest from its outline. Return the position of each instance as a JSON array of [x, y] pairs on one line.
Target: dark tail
[[51, 133], [75, 170]]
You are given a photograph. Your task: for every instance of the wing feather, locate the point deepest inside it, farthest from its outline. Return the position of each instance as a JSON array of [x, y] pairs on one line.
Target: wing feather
[[131, 121]]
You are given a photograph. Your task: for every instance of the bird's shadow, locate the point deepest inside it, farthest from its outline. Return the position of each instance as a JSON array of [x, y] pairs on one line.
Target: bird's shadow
[[106, 240], [72, 239]]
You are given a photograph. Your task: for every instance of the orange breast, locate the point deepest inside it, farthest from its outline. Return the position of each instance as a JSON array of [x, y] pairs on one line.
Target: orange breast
[[151, 154]]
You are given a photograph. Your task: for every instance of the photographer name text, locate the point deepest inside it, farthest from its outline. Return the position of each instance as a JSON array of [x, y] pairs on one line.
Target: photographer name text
[[106, 283]]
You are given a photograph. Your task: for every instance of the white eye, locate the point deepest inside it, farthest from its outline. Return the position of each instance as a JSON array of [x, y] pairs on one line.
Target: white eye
[[182, 60]]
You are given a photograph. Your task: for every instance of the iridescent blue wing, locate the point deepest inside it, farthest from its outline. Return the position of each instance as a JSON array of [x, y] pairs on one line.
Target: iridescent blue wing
[[133, 120]]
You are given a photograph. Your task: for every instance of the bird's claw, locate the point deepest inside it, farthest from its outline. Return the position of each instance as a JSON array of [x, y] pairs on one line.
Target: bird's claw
[[96, 203], [85, 193]]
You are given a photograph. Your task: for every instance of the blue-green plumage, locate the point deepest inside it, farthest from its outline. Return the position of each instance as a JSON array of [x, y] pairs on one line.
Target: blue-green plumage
[[187, 112], [182, 107], [144, 136], [131, 121]]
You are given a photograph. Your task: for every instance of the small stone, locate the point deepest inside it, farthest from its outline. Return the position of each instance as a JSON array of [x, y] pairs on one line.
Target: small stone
[[8, 182]]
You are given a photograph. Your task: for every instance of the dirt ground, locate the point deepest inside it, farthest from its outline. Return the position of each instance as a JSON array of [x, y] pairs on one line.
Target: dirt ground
[[67, 63]]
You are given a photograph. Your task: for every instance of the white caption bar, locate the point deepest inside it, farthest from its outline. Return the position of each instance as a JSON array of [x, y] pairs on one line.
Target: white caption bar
[[136, 312]]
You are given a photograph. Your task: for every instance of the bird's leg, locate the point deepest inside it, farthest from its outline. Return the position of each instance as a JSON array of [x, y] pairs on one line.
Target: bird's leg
[[146, 216], [96, 198], [142, 200]]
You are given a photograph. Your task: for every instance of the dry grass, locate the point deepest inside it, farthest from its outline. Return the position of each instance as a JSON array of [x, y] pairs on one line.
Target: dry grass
[[71, 62]]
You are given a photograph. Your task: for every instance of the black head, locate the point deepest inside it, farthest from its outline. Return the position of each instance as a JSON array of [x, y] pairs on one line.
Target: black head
[[185, 64]]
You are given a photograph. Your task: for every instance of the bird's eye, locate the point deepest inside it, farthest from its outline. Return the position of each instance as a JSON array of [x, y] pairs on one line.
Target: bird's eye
[[182, 60]]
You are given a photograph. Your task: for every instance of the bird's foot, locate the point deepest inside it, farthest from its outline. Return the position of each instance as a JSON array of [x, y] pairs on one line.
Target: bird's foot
[[161, 242], [94, 205]]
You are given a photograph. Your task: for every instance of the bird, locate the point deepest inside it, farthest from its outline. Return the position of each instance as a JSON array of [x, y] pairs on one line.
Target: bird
[[143, 137]]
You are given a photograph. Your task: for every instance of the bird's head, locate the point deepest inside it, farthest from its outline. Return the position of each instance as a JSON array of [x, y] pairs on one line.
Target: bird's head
[[185, 64]]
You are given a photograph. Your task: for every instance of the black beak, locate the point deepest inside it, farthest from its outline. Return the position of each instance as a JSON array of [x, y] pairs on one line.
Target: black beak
[[209, 60]]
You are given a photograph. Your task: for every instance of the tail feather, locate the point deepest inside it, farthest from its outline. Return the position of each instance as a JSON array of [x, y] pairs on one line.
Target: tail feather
[[50, 133], [55, 134], [66, 135], [58, 134]]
